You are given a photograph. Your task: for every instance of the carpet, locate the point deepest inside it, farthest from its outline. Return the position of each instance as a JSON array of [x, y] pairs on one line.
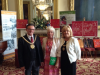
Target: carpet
[[86, 66]]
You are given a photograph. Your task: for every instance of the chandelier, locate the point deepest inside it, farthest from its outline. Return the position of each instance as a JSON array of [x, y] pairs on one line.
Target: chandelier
[[42, 4], [47, 14], [42, 7]]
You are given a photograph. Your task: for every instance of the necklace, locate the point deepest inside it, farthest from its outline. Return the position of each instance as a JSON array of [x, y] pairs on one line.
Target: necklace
[[32, 46], [48, 48], [63, 47], [48, 44]]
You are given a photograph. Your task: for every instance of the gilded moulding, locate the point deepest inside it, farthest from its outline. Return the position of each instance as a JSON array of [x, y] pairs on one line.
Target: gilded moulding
[[98, 27], [71, 5], [5, 5], [19, 9], [55, 9]]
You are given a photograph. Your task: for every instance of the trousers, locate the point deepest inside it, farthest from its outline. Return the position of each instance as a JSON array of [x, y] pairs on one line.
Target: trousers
[[33, 68]]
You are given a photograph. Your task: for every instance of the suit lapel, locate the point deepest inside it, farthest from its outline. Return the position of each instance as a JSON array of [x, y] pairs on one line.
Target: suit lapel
[[34, 39], [34, 36], [27, 38]]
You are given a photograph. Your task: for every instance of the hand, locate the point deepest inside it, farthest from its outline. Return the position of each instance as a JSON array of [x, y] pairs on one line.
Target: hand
[[42, 64], [22, 68], [57, 65]]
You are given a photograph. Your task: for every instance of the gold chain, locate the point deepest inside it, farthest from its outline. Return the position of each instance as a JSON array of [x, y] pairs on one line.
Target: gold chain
[[30, 42]]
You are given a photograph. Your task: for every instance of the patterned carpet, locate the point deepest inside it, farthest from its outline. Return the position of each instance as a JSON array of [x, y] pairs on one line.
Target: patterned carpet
[[89, 66]]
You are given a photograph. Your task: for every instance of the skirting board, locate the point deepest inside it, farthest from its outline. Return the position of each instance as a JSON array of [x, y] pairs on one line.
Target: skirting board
[[8, 56]]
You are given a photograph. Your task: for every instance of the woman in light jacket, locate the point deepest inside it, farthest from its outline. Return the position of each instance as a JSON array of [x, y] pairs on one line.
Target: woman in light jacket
[[50, 46], [69, 51]]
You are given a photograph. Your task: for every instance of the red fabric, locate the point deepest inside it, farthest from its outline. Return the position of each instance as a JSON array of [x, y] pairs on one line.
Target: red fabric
[[82, 49], [96, 43], [90, 28], [49, 69], [96, 38], [21, 23], [85, 28], [55, 23], [41, 39], [90, 49], [70, 25], [16, 59], [63, 22], [97, 49], [31, 39], [77, 28]]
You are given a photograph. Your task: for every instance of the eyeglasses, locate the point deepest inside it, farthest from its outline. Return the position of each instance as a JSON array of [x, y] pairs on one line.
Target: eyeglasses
[[31, 29]]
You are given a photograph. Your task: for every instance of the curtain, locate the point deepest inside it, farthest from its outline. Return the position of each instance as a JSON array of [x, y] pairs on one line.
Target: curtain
[[90, 9]]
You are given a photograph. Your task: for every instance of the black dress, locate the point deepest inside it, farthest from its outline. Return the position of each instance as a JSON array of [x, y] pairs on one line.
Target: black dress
[[67, 68]]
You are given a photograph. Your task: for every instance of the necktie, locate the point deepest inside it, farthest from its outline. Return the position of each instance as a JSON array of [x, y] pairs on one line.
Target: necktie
[[31, 39]]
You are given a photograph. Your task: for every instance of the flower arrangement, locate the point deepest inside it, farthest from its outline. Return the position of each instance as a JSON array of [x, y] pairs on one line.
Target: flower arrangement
[[40, 23]]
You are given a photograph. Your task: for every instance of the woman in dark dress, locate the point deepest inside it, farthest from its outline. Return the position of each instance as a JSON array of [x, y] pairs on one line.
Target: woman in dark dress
[[69, 51]]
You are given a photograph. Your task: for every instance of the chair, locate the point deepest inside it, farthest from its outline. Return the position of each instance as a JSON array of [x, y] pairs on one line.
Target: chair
[[96, 48], [81, 45], [96, 38], [88, 45]]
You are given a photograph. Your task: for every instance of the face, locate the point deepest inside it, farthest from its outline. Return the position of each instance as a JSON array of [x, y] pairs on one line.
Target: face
[[63, 19], [50, 34], [30, 30], [66, 33]]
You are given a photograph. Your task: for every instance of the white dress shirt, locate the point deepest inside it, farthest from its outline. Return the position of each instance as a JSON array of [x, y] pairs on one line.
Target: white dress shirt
[[29, 37], [72, 48]]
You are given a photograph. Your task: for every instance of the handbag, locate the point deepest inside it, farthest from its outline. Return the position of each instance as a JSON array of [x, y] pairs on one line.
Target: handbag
[[52, 60]]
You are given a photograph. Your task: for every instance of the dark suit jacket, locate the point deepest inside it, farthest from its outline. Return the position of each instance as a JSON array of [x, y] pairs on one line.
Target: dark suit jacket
[[24, 51]]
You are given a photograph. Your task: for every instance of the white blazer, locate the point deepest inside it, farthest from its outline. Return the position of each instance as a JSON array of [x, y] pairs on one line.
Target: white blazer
[[72, 48], [55, 45]]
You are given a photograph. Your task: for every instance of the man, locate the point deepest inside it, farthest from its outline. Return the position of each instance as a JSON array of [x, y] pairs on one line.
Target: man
[[30, 53]]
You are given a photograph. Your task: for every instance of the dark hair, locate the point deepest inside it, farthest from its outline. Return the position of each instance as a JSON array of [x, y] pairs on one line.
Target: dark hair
[[63, 17], [29, 25]]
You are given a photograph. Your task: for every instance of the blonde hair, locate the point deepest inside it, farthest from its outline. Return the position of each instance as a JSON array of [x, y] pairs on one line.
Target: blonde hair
[[51, 28], [69, 28]]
